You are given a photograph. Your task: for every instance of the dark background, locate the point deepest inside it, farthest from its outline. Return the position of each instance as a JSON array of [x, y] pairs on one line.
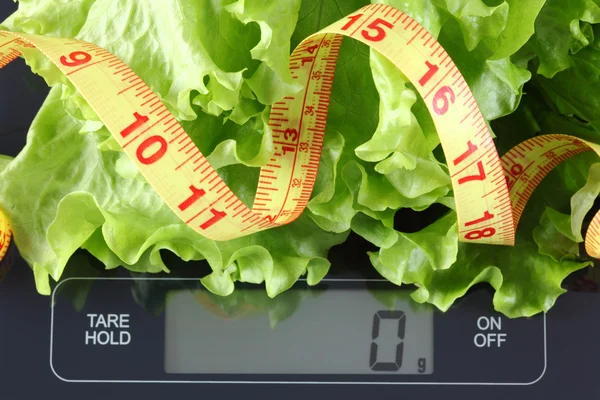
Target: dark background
[[25, 372]]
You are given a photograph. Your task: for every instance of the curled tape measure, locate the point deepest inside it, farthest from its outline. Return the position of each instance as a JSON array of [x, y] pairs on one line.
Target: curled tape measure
[[490, 193]]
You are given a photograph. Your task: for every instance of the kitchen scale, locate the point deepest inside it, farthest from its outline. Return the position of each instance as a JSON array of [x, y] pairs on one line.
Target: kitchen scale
[[119, 335]]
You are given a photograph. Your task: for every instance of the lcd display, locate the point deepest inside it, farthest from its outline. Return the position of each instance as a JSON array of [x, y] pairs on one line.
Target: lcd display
[[338, 331]]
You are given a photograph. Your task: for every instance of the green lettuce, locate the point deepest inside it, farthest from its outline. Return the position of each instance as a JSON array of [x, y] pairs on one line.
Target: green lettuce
[[574, 91], [219, 66], [562, 29]]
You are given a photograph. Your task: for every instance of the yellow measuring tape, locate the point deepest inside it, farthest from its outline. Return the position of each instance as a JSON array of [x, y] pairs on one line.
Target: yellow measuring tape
[[490, 192]]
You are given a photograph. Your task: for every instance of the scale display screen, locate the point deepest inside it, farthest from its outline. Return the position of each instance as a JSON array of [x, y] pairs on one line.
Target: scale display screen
[[347, 330], [336, 332]]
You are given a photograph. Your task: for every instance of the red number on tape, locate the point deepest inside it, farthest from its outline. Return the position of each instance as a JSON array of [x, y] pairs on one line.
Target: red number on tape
[[377, 26], [139, 121], [312, 49], [287, 149], [483, 233], [433, 69], [196, 195], [290, 134], [217, 216], [157, 155], [486, 217], [481, 176], [76, 58], [352, 21], [471, 149], [446, 96]]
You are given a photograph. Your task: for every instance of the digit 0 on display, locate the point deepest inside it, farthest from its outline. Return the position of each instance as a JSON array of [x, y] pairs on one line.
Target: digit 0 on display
[[170, 161], [400, 330]]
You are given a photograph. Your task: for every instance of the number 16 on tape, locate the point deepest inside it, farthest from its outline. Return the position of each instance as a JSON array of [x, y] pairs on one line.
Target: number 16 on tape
[[482, 198]]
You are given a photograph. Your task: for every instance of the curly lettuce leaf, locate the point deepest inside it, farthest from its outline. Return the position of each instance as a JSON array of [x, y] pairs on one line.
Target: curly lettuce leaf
[[189, 53], [553, 236], [520, 27], [527, 278], [272, 80], [81, 201], [402, 135], [561, 234], [562, 29], [583, 201], [381, 151], [575, 91]]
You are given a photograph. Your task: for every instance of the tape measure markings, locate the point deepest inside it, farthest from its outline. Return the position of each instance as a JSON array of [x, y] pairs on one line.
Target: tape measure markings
[[471, 209], [167, 157], [298, 127], [5, 236], [592, 237], [312, 62], [526, 165], [153, 108]]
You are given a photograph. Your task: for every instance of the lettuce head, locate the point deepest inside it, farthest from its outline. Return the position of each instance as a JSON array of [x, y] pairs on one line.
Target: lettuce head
[[220, 65]]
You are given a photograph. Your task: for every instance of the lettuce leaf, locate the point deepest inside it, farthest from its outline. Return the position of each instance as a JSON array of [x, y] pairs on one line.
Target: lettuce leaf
[[81, 201], [219, 65], [106, 197], [574, 91], [562, 29], [178, 46]]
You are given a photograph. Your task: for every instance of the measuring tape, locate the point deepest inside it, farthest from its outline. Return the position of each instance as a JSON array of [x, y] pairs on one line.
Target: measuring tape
[[490, 192]]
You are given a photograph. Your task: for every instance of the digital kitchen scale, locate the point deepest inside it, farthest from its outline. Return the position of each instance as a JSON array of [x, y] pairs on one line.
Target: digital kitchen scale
[[106, 334], [118, 335]]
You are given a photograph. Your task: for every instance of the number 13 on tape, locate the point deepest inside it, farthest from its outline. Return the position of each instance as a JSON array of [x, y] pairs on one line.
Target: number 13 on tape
[[181, 175]]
